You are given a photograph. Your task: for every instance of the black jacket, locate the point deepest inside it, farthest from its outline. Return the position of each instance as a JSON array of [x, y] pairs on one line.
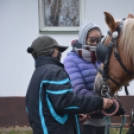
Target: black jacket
[[51, 105]]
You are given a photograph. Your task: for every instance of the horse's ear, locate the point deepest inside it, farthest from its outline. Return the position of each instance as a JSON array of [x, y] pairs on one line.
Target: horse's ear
[[130, 16], [110, 21]]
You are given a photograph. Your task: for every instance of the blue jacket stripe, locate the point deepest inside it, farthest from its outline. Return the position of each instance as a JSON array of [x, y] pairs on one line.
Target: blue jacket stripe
[[77, 124], [72, 107], [45, 131], [55, 82], [27, 110], [59, 92], [60, 119]]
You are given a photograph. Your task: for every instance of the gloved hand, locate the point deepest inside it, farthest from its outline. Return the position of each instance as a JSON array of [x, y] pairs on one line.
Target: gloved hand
[[121, 110]]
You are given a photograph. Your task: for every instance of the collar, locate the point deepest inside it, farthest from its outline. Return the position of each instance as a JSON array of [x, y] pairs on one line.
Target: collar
[[42, 60]]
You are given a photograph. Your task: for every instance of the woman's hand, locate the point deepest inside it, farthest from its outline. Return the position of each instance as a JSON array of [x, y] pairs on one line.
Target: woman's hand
[[107, 103], [83, 117]]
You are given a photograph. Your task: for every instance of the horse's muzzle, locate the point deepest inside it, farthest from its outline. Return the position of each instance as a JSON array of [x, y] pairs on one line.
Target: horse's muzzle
[[97, 84]]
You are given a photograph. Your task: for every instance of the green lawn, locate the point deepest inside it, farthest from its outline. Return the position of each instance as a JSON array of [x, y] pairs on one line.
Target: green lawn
[[117, 131], [17, 132], [112, 131]]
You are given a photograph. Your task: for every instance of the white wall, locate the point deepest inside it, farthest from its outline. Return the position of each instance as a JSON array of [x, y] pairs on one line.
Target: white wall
[[19, 27], [118, 8]]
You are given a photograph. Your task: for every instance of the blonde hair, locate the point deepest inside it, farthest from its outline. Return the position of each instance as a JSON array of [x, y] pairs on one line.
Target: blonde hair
[[127, 38]]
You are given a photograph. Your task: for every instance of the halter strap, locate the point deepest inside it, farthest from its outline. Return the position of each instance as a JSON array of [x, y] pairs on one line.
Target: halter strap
[[117, 83], [116, 54]]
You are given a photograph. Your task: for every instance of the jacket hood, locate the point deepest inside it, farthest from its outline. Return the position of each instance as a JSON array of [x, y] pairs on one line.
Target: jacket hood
[[84, 31]]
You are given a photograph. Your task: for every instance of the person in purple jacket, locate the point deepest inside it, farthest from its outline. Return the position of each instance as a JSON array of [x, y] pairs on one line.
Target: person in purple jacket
[[81, 65]]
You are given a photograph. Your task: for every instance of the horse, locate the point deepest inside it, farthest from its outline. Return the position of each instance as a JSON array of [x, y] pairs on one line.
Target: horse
[[117, 57], [116, 53]]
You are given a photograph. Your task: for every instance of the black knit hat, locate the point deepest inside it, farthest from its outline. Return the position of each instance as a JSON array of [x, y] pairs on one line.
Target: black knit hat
[[44, 45]]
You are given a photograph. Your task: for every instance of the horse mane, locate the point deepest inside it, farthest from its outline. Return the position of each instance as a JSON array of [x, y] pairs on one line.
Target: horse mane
[[127, 39]]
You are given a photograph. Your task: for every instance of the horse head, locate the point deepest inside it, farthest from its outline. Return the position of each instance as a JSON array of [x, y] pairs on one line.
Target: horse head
[[116, 52]]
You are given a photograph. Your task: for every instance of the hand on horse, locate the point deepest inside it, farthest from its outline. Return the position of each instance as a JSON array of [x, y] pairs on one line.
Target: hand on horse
[[111, 109]]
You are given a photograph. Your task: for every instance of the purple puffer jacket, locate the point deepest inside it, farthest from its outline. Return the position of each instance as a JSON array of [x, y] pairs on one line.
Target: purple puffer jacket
[[81, 73]]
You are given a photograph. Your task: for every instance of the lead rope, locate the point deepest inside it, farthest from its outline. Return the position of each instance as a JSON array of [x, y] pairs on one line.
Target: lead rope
[[123, 121]]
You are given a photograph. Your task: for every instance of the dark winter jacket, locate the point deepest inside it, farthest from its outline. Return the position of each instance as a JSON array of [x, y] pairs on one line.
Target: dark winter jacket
[[51, 105]]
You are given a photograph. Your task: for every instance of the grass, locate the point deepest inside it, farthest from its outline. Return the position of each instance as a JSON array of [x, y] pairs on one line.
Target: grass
[[17, 132], [112, 131], [117, 131]]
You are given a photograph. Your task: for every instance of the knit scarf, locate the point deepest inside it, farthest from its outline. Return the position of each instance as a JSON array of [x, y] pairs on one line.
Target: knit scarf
[[87, 52]]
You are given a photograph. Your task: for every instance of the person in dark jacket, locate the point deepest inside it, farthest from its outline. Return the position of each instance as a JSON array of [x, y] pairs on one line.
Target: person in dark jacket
[[81, 65], [51, 104]]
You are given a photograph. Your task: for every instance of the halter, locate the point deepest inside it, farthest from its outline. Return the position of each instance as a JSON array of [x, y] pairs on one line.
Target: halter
[[112, 46]]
